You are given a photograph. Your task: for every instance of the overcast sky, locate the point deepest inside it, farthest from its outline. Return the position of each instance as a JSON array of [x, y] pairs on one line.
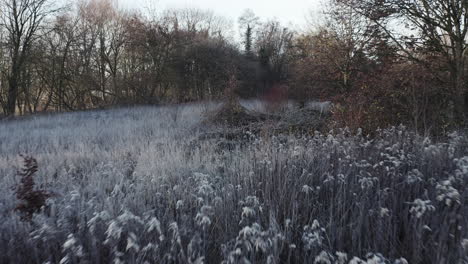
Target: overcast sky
[[286, 11]]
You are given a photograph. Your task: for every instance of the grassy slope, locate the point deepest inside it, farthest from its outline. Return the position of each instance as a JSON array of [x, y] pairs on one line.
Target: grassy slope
[[135, 185]]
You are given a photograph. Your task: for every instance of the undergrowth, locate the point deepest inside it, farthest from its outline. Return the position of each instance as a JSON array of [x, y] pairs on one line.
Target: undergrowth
[[147, 196]]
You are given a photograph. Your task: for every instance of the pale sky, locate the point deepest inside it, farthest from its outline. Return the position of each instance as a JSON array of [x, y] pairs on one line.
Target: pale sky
[[286, 11]]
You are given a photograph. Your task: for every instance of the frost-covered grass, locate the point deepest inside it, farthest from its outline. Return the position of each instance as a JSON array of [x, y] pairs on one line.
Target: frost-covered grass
[[136, 185], [263, 106]]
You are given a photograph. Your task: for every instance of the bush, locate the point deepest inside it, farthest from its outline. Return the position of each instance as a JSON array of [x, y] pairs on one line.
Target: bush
[[31, 200], [404, 93]]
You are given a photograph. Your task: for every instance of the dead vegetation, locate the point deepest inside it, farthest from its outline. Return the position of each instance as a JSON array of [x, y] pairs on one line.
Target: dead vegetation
[[293, 120], [31, 199], [234, 115], [233, 125]]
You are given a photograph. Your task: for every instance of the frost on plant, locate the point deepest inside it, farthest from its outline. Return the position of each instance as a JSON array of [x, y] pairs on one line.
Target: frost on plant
[[420, 207], [446, 193], [137, 190]]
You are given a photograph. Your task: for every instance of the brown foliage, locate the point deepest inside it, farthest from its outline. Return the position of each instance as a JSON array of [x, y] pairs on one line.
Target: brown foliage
[[403, 93], [31, 200], [442, 28], [276, 96]]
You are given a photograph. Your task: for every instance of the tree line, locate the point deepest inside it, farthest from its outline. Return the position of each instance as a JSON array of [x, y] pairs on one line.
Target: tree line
[[381, 62]]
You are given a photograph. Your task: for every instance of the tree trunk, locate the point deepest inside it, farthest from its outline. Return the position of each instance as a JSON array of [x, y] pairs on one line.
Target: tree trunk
[[12, 93], [459, 85], [460, 102]]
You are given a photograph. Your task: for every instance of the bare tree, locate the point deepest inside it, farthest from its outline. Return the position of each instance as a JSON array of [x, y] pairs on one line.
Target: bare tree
[[54, 68], [198, 21], [3, 70], [434, 26], [22, 20], [273, 46]]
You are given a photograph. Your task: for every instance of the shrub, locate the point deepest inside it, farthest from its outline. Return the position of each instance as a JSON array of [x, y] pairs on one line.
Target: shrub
[[404, 93], [31, 200]]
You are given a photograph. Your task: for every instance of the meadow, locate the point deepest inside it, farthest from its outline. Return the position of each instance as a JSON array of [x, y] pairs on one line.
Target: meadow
[[143, 185]]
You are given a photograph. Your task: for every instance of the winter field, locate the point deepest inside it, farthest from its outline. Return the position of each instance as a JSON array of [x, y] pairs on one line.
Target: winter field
[[139, 185]]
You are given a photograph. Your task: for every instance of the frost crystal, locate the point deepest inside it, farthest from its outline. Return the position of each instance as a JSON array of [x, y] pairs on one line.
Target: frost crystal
[[313, 236], [323, 258], [420, 207], [447, 193]]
